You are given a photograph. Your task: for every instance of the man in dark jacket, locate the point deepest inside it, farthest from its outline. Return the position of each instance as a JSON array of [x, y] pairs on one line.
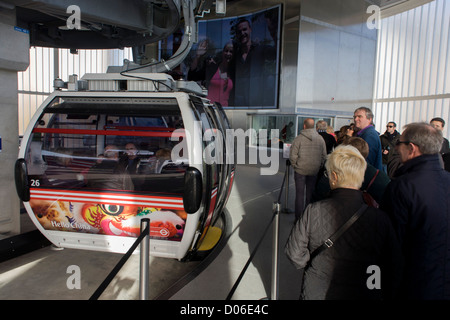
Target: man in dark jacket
[[388, 140], [363, 118], [418, 201], [252, 86], [439, 123]]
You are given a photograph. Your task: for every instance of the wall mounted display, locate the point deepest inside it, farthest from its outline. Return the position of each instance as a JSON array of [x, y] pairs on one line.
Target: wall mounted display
[[237, 59]]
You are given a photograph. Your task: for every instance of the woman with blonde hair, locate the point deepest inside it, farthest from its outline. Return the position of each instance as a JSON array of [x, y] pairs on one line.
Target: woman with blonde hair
[[375, 181], [343, 270]]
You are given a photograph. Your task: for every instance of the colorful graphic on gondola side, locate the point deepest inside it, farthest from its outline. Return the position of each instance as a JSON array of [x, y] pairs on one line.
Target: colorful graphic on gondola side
[[109, 214]]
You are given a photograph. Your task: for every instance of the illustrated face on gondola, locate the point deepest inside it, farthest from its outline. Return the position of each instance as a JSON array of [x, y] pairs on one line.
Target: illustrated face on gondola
[[109, 219], [126, 220]]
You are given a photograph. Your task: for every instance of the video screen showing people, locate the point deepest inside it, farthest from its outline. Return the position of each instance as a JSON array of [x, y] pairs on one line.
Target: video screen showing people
[[236, 59]]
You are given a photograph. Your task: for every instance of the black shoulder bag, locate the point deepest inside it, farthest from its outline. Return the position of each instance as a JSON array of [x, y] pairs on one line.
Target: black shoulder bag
[[331, 240]]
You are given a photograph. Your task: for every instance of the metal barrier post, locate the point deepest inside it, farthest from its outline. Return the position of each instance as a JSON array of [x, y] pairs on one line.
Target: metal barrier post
[[144, 260], [286, 196], [122, 261], [276, 230]]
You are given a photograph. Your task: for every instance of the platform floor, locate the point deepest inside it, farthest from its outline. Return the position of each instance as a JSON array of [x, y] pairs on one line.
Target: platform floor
[[43, 274]]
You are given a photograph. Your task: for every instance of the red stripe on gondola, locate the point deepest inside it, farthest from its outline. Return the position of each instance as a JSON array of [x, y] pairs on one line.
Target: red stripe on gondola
[[103, 194], [175, 203], [111, 126], [110, 132]]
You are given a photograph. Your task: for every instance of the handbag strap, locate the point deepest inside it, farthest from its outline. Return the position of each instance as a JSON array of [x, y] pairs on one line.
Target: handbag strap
[[373, 179], [331, 240]]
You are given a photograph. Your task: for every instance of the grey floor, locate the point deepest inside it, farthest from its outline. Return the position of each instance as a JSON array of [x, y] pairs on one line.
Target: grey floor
[[45, 273]]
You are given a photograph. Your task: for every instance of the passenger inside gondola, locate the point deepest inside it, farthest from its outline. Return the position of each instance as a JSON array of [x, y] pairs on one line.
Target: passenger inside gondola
[[130, 159], [133, 163], [162, 159], [61, 171], [108, 173]]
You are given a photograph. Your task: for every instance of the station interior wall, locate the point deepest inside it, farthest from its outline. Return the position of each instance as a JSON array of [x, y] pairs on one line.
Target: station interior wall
[[412, 82]]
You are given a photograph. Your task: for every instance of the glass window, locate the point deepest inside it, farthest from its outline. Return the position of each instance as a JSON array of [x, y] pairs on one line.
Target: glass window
[[263, 125], [108, 145], [303, 118]]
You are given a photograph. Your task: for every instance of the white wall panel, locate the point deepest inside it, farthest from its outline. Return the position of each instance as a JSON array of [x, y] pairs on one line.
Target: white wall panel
[[36, 83], [336, 58], [412, 67]]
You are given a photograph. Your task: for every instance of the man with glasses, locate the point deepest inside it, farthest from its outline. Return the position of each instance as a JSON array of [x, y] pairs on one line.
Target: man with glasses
[[418, 202], [388, 140]]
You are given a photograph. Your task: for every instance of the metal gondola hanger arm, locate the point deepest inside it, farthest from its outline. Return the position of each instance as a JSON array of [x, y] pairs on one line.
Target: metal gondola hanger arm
[[189, 38]]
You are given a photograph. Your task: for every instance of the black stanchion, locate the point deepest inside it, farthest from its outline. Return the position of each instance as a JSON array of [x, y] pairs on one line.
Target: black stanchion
[[120, 264], [276, 230], [144, 259]]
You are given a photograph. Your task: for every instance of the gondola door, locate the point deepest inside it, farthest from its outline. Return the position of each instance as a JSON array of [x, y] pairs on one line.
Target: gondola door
[[229, 154], [210, 168]]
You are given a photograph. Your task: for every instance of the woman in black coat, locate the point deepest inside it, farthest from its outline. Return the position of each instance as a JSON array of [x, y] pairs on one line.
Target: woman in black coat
[[364, 263]]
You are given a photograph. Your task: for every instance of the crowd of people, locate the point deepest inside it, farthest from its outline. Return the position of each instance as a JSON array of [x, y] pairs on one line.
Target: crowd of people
[[372, 212]]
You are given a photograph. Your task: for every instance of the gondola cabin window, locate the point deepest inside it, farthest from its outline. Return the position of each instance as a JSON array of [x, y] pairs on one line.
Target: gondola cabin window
[[107, 145]]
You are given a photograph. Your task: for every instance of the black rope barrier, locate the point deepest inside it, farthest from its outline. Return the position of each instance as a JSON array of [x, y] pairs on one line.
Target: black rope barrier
[[275, 212], [284, 181], [241, 275], [120, 264]]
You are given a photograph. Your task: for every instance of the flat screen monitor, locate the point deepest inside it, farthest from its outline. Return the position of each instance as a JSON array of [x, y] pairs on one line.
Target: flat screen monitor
[[237, 59]]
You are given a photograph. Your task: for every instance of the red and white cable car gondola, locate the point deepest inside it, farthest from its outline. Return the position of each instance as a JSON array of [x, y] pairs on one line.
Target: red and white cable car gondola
[[94, 162]]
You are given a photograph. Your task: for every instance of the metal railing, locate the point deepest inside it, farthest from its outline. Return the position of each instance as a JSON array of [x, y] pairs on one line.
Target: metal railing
[[144, 237]]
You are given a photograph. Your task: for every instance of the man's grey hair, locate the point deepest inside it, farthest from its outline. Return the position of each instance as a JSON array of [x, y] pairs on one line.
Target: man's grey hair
[[369, 113], [425, 136], [321, 125]]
